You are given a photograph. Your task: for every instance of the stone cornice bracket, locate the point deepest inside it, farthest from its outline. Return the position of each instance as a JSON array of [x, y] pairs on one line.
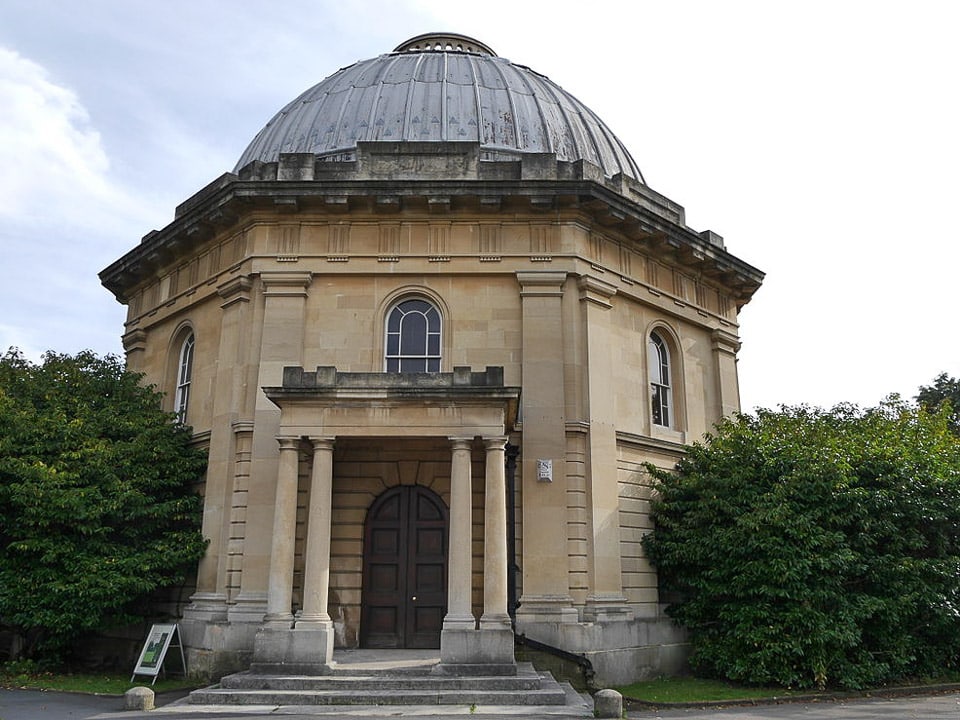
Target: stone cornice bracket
[[236, 289], [598, 292], [135, 340], [286, 284], [724, 341], [541, 283]]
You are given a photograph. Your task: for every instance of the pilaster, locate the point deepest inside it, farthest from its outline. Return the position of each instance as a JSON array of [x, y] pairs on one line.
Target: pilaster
[[210, 599], [546, 587], [605, 598], [284, 296], [725, 346]]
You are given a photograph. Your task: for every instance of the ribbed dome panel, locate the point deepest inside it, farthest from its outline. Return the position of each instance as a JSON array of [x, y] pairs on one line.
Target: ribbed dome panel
[[438, 96]]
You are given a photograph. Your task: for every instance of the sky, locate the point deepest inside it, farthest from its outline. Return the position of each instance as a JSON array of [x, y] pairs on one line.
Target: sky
[[821, 139]]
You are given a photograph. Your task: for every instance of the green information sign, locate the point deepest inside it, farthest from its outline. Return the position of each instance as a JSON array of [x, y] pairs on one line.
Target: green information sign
[[160, 639]]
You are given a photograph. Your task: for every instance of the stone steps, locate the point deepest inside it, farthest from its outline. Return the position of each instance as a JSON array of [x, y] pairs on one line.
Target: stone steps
[[314, 683], [527, 688]]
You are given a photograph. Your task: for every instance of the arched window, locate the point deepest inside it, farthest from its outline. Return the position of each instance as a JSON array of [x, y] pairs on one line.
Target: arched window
[[661, 392], [413, 337], [184, 374]]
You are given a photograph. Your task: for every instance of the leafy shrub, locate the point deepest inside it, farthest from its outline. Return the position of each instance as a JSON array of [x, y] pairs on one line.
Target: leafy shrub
[[96, 502], [810, 547]]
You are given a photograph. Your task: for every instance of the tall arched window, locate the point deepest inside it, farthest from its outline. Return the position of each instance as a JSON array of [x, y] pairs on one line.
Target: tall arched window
[[184, 375], [661, 393], [413, 337]]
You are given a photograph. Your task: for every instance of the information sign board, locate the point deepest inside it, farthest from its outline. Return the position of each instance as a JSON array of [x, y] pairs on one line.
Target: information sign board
[[160, 639]]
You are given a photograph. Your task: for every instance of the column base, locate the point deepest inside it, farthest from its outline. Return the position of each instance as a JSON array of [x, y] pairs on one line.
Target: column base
[[547, 608], [495, 621], [607, 608], [294, 651], [476, 652], [207, 607], [459, 622], [249, 607]]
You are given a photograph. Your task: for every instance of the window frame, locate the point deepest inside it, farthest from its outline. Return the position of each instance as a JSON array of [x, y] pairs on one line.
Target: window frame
[[185, 358], [660, 371], [430, 339]]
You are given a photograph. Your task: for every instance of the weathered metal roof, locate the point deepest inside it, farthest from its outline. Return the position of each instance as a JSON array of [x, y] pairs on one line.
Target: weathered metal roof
[[441, 88]]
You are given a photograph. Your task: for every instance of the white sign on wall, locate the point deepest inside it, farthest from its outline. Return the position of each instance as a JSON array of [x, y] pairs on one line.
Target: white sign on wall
[[544, 470]]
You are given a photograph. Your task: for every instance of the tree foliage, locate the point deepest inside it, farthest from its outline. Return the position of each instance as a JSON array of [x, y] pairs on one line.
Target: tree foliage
[[945, 390], [808, 547], [96, 508]]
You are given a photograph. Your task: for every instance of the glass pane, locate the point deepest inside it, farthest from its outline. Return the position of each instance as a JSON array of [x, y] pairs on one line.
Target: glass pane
[[433, 365], [657, 409], [653, 361], [413, 332], [393, 324], [411, 365], [419, 306], [393, 343], [433, 344], [393, 365]]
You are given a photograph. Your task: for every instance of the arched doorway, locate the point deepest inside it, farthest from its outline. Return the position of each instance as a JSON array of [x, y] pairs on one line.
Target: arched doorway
[[404, 596]]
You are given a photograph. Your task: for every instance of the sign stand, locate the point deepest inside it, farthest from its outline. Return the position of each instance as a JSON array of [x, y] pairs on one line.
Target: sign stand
[[160, 639]]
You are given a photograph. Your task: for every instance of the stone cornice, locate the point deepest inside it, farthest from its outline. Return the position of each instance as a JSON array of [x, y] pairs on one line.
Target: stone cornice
[[528, 185], [462, 388]]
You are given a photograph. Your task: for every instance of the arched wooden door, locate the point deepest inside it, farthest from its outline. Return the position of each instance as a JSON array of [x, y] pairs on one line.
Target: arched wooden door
[[404, 570]]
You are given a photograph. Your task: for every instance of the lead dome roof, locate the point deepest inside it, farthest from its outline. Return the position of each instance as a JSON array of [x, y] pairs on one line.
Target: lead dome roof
[[441, 88]]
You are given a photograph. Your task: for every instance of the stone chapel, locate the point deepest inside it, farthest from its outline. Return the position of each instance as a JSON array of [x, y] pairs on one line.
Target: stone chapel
[[430, 329]]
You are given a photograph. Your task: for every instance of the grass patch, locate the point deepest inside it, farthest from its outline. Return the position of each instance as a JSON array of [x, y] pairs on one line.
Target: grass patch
[[92, 684], [694, 690]]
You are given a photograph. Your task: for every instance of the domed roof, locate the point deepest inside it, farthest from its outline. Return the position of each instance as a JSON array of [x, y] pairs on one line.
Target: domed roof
[[441, 88]]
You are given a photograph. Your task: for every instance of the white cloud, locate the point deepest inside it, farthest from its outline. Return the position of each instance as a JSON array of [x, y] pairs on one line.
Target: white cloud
[[61, 216], [48, 150]]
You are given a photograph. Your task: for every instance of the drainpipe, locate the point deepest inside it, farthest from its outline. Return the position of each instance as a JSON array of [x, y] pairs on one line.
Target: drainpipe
[[511, 452]]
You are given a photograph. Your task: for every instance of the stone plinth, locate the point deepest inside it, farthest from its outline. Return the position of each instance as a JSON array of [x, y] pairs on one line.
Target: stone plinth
[[476, 652], [301, 651]]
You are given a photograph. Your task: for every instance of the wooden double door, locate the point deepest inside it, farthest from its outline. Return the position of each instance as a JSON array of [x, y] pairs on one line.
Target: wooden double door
[[404, 589]]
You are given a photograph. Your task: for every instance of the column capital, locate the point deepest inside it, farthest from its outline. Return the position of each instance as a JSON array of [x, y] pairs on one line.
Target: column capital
[[596, 291], [322, 443], [282, 283], [546, 283], [288, 442], [460, 442], [495, 442]]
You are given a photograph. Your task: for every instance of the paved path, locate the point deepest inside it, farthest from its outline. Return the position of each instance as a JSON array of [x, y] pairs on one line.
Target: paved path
[[936, 707], [35, 705]]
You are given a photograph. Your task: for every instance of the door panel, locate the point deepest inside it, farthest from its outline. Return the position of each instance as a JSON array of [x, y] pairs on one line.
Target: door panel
[[404, 570]]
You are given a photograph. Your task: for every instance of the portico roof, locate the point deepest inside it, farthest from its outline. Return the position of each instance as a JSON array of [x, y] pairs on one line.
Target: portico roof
[[328, 403]]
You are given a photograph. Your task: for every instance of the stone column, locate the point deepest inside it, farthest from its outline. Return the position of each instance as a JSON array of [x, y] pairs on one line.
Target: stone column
[[464, 649], [495, 539], [280, 588], [316, 581], [459, 575]]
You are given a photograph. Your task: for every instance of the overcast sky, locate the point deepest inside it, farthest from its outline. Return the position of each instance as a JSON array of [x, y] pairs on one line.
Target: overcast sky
[[821, 139]]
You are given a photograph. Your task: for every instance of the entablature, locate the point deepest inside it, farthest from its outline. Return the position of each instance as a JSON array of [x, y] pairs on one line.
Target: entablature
[[431, 182]]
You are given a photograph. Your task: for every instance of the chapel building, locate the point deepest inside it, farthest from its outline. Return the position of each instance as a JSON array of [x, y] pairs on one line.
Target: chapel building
[[431, 328]]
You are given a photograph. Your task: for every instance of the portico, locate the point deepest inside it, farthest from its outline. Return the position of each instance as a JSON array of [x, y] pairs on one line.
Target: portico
[[462, 409]]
